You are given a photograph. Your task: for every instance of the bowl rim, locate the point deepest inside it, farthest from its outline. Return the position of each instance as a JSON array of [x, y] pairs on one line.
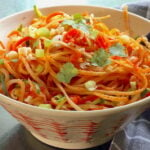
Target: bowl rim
[[93, 112], [83, 5], [107, 111]]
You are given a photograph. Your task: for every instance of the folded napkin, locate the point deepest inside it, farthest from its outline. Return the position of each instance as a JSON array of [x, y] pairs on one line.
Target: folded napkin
[[136, 135]]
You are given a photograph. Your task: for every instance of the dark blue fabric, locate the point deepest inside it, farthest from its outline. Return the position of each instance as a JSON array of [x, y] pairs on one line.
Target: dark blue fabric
[[136, 135]]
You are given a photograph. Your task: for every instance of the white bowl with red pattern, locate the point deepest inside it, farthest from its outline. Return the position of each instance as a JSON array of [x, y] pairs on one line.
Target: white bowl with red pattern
[[75, 129]]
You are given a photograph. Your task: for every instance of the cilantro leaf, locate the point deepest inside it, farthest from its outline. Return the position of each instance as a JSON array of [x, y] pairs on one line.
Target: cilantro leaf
[[94, 33], [118, 50], [81, 26], [68, 22], [67, 72], [100, 58]]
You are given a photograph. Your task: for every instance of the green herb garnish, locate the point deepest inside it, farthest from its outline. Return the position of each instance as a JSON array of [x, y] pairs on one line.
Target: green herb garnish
[[81, 26], [100, 58], [117, 50], [93, 33], [67, 72]]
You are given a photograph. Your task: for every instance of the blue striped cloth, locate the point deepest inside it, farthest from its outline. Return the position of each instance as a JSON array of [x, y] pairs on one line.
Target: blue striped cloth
[[135, 136]]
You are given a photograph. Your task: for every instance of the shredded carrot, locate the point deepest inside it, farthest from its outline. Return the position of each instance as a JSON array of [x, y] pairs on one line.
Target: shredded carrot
[[48, 18], [15, 32]]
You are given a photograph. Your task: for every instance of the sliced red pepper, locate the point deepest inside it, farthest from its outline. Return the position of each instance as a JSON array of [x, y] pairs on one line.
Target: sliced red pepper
[[32, 93], [90, 98], [116, 57], [53, 15], [148, 94], [11, 88], [102, 42], [92, 47], [27, 91], [75, 36], [129, 49], [79, 100], [82, 42], [71, 35], [75, 57], [24, 39], [76, 99]]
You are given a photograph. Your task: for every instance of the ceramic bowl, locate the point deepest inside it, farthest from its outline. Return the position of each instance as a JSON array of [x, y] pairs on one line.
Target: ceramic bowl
[[75, 129]]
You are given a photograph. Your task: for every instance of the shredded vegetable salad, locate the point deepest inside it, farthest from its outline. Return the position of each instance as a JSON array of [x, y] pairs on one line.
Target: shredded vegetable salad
[[74, 62]]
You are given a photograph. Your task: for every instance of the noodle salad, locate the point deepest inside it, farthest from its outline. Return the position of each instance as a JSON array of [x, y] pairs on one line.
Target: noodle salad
[[74, 62]]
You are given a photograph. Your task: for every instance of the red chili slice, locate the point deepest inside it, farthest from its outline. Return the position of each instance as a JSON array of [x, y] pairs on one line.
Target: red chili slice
[[75, 36], [90, 98], [148, 94], [102, 42], [27, 38], [116, 57], [71, 35], [78, 100]]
